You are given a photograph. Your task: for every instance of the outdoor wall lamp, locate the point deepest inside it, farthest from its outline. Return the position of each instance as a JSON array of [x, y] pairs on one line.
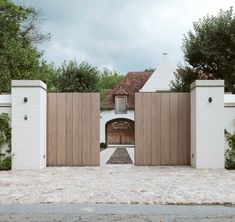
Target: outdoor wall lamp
[[25, 99], [25, 117], [210, 99]]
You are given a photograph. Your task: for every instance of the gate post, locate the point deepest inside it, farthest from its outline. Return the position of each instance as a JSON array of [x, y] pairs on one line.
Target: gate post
[[207, 124], [28, 124]]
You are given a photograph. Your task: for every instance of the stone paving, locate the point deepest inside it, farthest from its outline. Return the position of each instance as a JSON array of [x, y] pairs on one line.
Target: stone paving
[[108, 152], [126, 184]]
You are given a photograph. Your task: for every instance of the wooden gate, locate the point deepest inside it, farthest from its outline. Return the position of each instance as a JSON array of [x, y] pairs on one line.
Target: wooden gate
[[73, 129], [120, 131], [162, 129]]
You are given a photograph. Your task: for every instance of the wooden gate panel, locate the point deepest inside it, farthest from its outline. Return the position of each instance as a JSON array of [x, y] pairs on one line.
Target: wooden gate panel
[[165, 127], [61, 129], [73, 129], [183, 131], [69, 129], [77, 129], [174, 129], [95, 120], [147, 153], [86, 139], [138, 129], [162, 129], [51, 130], [156, 129]]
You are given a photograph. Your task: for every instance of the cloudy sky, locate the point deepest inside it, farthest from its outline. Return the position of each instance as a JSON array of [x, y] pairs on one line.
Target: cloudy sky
[[126, 35]]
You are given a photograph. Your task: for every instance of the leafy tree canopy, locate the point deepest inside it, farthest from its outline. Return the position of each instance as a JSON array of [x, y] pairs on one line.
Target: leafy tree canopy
[[74, 77], [83, 77], [210, 49], [19, 58], [109, 79], [186, 75], [150, 70]]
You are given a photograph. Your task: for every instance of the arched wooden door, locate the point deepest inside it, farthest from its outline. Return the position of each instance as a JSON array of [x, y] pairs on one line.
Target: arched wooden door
[[120, 131]]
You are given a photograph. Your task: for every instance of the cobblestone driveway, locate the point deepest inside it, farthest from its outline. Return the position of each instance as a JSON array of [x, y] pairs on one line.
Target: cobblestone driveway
[[118, 184]]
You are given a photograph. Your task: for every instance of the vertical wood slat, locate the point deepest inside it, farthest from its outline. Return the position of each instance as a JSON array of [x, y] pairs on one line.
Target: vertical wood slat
[[51, 129], [61, 129], [86, 130], [146, 133], [69, 129], [165, 126], [174, 128], [156, 129], [169, 128], [95, 130], [73, 129], [183, 129], [77, 129]]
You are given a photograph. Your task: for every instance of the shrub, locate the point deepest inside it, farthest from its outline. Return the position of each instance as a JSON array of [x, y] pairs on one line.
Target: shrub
[[103, 145], [5, 142], [230, 152]]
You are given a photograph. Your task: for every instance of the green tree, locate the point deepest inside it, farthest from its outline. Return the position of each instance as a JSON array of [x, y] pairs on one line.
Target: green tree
[[74, 77], [19, 58], [109, 79], [230, 151], [184, 76], [150, 70], [210, 49], [48, 74]]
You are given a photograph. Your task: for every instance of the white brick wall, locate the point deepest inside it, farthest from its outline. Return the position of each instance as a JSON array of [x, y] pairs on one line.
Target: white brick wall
[[193, 128], [207, 121], [28, 136]]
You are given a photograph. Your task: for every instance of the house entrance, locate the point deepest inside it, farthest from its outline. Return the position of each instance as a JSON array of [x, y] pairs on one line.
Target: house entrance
[[120, 131]]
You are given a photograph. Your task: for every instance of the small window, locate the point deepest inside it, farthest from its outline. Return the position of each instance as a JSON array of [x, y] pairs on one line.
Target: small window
[[120, 104]]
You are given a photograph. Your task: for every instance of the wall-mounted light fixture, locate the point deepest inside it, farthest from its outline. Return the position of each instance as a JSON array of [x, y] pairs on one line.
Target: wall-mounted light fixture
[[25, 117], [210, 100], [25, 99]]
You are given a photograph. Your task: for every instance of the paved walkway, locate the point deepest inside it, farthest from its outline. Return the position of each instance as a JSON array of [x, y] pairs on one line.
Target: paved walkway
[[118, 184], [107, 153]]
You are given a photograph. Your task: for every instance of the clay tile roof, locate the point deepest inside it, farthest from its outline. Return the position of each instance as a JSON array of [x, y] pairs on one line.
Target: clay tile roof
[[129, 85], [119, 91]]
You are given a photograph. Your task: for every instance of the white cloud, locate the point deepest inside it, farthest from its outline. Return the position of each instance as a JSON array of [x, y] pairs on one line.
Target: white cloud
[[126, 35]]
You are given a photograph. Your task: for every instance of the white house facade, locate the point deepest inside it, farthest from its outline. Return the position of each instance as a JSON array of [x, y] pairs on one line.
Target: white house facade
[[117, 117]]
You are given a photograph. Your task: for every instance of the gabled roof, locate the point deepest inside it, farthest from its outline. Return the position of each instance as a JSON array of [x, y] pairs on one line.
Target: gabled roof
[[128, 86], [161, 77]]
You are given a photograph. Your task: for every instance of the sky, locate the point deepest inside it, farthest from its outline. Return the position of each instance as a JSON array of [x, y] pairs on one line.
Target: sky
[[125, 35]]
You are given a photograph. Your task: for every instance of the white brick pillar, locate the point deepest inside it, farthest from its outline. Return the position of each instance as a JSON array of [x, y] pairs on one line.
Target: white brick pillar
[[207, 124], [29, 124]]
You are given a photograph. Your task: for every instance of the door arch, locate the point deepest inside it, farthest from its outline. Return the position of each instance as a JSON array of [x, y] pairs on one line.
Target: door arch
[[120, 131]]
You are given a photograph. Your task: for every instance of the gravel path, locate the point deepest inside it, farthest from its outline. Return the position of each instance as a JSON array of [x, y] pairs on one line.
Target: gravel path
[[118, 184]]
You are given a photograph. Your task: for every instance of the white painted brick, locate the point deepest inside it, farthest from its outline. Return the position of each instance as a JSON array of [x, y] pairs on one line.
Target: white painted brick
[[207, 122], [28, 136]]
